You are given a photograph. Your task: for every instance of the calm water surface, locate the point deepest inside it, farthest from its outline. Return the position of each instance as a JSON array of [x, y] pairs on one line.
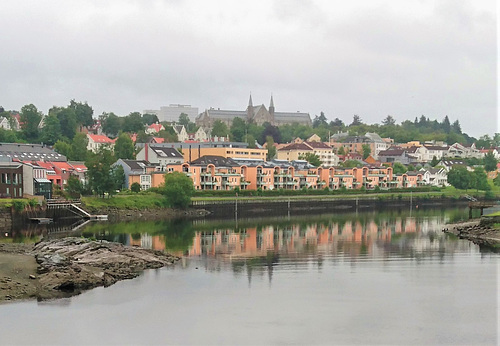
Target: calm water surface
[[366, 278]]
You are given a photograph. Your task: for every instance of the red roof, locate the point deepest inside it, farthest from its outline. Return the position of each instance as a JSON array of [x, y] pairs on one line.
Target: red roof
[[79, 167], [159, 139], [156, 127], [100, 138], [46, 165]]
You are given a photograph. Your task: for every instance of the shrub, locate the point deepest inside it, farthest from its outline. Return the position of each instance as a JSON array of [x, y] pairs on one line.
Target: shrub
[[19, 205], [135, 187]]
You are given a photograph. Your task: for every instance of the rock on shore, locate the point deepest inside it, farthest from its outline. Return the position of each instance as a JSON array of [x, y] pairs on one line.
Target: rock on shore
[[476, 232], [68, 266]]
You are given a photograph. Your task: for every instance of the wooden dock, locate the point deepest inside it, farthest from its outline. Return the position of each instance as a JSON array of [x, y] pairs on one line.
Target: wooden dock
[[480, 205]]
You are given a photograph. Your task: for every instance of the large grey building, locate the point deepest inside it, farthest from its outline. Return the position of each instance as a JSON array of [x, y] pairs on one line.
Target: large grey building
[[171, 113], [255, 114]]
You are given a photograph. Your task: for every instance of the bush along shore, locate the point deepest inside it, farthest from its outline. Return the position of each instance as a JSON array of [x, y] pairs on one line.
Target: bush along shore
[[65, 267]]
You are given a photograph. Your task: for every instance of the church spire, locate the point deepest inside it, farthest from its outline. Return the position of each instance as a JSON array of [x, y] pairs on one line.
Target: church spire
[[250, 109], [271, 107]]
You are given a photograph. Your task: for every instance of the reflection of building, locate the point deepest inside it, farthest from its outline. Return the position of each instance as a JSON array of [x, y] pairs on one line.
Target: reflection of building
[[352, 237]]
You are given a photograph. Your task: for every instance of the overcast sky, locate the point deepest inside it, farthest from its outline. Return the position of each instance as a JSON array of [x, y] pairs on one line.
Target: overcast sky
[[371, 58]]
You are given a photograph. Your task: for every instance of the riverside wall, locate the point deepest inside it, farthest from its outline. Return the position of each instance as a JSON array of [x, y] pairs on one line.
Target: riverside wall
[[283, 207]]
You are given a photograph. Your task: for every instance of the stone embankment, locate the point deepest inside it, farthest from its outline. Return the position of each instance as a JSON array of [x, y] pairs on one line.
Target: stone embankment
[[68, 266], [116, 215], [478, 232]]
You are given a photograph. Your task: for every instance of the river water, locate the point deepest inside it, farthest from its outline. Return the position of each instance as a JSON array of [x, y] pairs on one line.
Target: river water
[[351, 279]]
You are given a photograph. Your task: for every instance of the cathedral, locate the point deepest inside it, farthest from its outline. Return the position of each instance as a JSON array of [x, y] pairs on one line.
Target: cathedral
[[254, 114]]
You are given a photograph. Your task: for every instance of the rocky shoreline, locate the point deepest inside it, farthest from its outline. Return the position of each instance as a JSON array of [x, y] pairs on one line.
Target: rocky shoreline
[[476, 231], [65, 267]]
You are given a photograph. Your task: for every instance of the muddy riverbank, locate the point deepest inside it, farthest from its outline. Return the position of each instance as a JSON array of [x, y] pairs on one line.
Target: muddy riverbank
[[475, 231], [66, 267]]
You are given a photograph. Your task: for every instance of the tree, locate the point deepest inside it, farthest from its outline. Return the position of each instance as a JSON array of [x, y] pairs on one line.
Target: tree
[[389, 120], [79, 147], [83, 113], [496, 181], [168, 134], [337, 123], [399, 168], [184, 120], [177, 189], [484, 142], [110, 123], [490, 162], [319, 120], [67, 119], [148, 119], [74, 186], [251, 142], [30, 118], [117, 179], [341, 151], [219, 129], [480, 179], [273, 131], [351, 164], [135, 187], [133, 123], [455, 127], [124, 147], [445, 125], [459, 177], [356, 120], [51, 131], [100, 175], [238, 130], [367, 150], [434, 161], [312, 158], [271, 149], [63, 148]]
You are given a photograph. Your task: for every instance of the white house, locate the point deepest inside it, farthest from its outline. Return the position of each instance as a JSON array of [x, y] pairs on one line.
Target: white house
[[181, 133], [9, 124], [159, 154], [97, 141], [154, 128], [435, 176]]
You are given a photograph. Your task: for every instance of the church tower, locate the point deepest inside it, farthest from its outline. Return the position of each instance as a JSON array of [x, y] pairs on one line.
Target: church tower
[[250, 114], [271, 108]]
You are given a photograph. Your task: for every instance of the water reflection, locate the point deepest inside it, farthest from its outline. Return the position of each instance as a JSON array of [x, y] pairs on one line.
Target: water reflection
[[352, 235]]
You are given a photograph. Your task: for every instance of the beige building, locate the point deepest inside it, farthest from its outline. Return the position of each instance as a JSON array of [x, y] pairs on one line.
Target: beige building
[[295, 151]]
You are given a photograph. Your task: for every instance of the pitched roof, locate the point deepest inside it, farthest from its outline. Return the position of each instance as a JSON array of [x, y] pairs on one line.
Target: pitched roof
[[100, 138], [217, 161], [29, 152], [296, 146], [392, 152], [137, 165], [318, 145], [156, 127], [166, 152]]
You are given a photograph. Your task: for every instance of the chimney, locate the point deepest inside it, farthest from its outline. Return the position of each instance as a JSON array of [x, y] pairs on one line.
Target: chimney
[[146, 149]]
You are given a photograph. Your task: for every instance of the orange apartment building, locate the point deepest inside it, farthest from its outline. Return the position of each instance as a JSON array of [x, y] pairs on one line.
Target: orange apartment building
[[220, 173]]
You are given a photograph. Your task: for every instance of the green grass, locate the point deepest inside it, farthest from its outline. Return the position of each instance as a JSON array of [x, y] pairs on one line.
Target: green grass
[[136, 201]]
